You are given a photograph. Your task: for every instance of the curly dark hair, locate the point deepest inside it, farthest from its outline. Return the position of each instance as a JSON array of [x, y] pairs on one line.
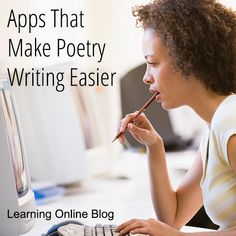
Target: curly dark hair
[[200, 36]]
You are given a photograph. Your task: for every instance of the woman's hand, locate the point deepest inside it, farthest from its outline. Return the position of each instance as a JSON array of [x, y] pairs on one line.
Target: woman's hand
[[151, 227], [141, 129]]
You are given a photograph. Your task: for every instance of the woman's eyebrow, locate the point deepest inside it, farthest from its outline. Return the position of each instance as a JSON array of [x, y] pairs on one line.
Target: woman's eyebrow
[[151, 57]]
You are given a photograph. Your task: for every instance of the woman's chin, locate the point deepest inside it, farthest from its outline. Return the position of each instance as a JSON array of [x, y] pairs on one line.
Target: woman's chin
[[168, 106]]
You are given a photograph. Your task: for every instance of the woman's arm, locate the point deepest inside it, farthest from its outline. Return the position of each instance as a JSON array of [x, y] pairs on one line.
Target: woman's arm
[[231, 151], [172, 207], [156, 228], [175, 208]]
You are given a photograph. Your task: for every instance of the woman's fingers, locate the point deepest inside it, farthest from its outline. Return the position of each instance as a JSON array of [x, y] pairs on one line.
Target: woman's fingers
[[123, 125], [135, 131], [125, 224], [149, 227], [129, 226], [139, 127], [141, 230]]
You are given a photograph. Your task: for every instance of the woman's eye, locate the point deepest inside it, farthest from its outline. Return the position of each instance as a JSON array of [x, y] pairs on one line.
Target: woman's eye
[[152, 63]]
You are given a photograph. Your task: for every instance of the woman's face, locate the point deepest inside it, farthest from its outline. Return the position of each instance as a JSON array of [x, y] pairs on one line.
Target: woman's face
[[174, 90]]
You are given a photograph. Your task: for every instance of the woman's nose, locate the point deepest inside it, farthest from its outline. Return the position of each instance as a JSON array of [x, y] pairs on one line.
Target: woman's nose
[[147, 79]]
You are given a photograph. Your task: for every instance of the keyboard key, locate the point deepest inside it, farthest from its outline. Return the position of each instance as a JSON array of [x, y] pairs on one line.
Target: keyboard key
[[71, 230], [84, 230]]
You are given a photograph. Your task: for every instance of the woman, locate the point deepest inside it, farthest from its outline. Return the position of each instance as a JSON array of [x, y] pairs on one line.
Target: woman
[[190, 50]]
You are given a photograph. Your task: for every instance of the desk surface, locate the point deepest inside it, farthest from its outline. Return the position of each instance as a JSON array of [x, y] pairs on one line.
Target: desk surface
[[109, 194]]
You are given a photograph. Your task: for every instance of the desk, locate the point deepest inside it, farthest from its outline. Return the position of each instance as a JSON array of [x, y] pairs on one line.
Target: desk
[[128, 197]]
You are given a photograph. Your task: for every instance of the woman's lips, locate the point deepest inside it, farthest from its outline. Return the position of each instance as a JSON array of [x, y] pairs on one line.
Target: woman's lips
[[158, 97]]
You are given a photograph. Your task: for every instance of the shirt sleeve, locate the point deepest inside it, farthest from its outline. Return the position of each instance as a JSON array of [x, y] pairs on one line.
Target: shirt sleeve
[[227, 136], [224, 129]]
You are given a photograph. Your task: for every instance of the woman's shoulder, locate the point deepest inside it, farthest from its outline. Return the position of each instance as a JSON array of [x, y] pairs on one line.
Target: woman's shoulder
[[225, 115], [223, 125]]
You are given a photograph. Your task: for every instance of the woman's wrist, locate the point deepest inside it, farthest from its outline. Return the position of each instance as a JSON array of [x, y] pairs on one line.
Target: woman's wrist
[[156, 146]]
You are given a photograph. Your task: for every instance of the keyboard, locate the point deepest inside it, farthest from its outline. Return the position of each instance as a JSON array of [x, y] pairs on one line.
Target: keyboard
[[84, 230]]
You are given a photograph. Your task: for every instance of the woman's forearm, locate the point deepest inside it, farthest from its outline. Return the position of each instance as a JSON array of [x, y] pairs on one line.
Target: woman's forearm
[[163, 196]]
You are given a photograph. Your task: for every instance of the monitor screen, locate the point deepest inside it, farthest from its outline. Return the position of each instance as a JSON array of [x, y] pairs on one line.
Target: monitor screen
[[14, 140], [88, 119]]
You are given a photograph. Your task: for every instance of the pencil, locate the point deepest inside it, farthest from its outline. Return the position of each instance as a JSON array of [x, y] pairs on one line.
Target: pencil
[[139, 112]]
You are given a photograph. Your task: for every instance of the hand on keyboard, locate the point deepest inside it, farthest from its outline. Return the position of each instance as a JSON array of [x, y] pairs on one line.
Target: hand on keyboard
[[83, 230]]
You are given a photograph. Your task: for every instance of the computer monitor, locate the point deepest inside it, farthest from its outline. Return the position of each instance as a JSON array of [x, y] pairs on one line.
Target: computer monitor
[[16, 194], [65, 132], [97, 121], [52, 131]]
